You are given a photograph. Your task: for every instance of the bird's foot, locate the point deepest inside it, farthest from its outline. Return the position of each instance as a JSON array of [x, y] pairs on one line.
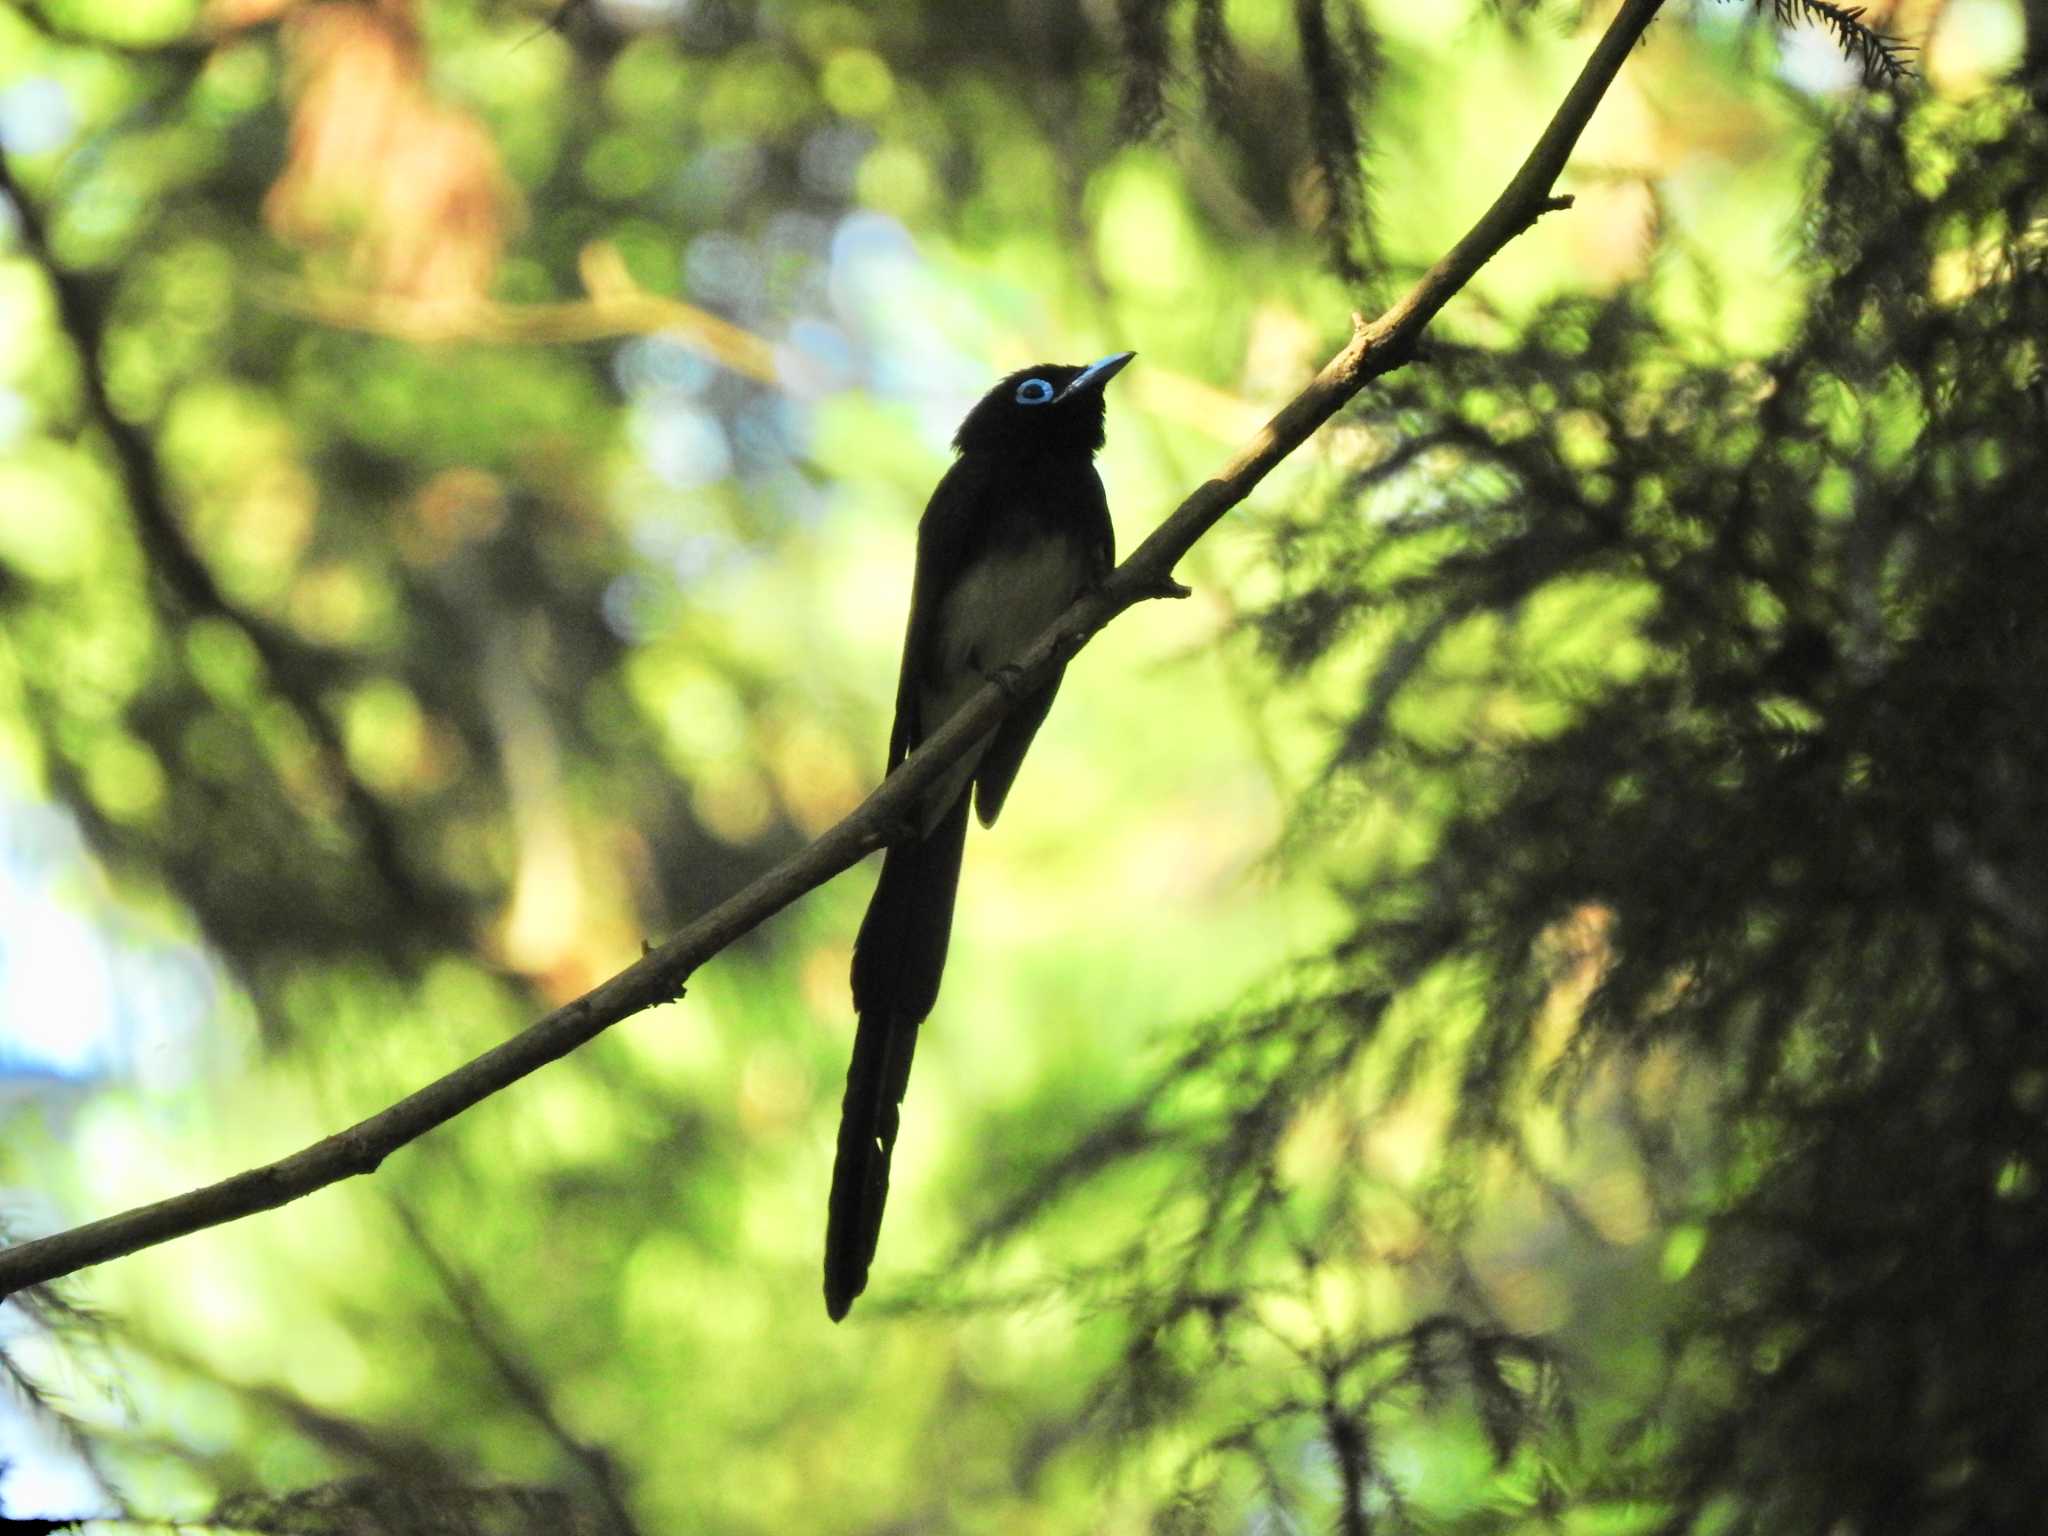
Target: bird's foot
[[1010, 678]]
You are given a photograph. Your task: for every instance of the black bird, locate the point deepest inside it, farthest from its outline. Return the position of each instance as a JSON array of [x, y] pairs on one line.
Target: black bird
[[1016, 530]]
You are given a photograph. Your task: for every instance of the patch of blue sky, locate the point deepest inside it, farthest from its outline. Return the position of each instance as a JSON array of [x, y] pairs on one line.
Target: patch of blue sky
[[927, 338], [89, 991], [686, 448], [661, 366], [36, 116]]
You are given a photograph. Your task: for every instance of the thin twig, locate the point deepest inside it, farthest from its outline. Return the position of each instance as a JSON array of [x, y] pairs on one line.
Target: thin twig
[[467, 1297], [615, 306], [1376, 347]]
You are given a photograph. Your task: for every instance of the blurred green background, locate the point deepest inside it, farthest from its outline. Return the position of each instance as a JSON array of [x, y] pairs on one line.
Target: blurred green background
[[459, 467]]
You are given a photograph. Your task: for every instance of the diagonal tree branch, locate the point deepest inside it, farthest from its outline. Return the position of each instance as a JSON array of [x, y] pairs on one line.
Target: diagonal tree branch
[[1376, 347]]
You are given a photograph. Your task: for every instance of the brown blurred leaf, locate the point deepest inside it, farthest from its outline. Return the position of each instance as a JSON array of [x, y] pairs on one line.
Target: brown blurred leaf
[[412, 190]]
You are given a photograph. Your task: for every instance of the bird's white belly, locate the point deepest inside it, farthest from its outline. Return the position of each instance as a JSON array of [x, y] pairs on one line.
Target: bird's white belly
[[998, 606]]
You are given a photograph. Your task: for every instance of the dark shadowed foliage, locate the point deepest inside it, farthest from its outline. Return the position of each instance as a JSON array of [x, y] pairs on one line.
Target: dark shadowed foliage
[[1644, 1130], [1710, 697]]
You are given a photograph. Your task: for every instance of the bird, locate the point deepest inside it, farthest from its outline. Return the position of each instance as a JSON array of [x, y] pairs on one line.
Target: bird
[[1015, 530]]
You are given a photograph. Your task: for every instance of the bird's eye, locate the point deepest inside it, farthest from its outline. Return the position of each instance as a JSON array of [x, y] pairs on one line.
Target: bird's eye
[[1033, 392]]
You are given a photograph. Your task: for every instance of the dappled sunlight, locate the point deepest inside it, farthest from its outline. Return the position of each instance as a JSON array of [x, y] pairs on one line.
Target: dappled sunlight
[[408, 188], [461, 470]]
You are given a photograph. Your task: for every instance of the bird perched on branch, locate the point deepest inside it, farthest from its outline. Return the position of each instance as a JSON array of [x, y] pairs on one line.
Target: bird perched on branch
[[1016, 530]]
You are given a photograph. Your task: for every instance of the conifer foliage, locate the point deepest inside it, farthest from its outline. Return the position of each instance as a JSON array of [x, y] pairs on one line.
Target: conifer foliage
[[1690, 786]]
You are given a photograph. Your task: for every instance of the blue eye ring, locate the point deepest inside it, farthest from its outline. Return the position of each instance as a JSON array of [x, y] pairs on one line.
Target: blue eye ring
[[1034, 392]]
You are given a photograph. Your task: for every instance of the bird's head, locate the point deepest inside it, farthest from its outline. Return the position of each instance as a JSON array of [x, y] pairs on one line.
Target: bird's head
[[1054, 406]]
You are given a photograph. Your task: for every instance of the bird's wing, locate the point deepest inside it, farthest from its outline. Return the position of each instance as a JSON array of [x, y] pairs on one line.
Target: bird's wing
[[997, 770], [944, 536]]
